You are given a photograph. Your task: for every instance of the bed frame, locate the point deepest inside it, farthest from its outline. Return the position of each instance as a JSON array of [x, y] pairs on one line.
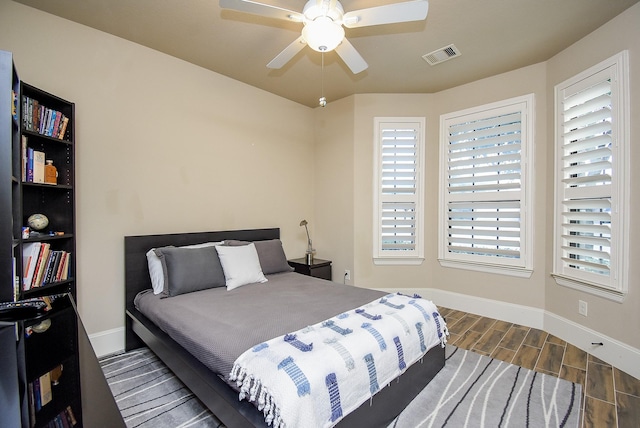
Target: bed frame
[[214, 393]]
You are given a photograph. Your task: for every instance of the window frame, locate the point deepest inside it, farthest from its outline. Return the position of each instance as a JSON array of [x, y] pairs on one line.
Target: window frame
[[523, 265], [615, 286], [409, 257]]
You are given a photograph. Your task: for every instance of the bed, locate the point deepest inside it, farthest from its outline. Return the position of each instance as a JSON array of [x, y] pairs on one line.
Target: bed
[[197, 372]]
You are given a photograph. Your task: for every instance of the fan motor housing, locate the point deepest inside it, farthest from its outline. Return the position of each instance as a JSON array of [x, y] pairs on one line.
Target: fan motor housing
[[312, 10]]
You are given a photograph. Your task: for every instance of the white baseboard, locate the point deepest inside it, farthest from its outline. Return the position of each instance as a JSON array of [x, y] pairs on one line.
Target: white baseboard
[[612, 351], [517, 314], [108, 342], [621, 355]]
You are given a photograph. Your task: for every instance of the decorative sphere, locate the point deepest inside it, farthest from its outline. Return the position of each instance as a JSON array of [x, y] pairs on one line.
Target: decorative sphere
[[38, 221]]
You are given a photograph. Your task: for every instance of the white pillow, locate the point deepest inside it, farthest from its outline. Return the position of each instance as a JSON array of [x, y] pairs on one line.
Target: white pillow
[[241, 265], [155, 265]]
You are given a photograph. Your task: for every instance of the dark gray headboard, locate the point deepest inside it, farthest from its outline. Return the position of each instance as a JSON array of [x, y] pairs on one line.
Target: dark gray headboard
[[136, 273]]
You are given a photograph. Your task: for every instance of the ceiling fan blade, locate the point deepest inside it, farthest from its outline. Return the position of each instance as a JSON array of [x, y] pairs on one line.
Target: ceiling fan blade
[[262, 9], [351, 57], [289, 52], [388, 14]]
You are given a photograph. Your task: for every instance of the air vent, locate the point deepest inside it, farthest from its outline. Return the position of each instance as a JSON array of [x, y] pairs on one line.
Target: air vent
[[442, 55]]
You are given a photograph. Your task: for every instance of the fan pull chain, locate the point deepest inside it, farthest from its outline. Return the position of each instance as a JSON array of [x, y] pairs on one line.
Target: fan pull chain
[[323, 99]]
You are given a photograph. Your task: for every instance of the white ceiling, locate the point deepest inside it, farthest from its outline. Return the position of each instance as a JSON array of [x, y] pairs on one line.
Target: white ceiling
[[494, 36]]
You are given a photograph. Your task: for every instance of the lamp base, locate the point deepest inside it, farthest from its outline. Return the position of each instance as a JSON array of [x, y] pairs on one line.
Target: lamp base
[[309, 258]]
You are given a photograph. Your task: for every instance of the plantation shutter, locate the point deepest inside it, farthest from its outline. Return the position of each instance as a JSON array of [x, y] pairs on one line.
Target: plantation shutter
[[484, 186], [586, 166], [398, 194]]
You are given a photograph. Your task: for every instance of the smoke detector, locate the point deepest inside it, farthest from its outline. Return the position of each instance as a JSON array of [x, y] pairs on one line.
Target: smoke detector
[[441, 55]]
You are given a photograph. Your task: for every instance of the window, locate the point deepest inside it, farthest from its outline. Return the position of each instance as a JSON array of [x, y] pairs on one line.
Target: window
[[485, 187], [591, 180], [398, 191]]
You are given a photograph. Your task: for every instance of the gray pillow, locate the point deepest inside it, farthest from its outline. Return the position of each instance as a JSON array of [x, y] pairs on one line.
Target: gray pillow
[[189, 269], [270, 253]]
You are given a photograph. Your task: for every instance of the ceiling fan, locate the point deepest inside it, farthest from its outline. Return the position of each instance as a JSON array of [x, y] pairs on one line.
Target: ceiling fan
[[323, 25]]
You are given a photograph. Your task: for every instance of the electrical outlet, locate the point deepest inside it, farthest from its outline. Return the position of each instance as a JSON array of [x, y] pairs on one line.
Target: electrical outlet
[[347, 275], [582, 307]]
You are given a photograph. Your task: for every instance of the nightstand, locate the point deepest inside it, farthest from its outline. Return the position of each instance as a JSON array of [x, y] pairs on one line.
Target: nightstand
[[319, 268]]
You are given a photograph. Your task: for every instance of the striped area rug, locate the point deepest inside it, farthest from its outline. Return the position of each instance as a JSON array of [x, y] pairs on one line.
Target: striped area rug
[[477, 391], [150, 396], [470, 391]]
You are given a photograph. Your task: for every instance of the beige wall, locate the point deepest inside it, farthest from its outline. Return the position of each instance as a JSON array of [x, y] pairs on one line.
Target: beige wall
[[165, 146], [620, 321], [334, 188], [162, 146]]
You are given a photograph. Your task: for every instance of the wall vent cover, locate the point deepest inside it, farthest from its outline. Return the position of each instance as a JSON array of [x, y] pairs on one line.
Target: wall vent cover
[[442, 54]]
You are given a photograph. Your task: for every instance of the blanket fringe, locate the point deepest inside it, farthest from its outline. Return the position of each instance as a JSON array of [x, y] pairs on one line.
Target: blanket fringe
[[443, 331], [253, 391]]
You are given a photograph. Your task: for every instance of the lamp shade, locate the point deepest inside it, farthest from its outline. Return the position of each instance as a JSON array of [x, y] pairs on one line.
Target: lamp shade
[[323, 34]]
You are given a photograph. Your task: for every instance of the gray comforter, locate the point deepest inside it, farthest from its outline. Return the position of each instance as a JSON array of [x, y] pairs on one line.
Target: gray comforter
[[217, 326]]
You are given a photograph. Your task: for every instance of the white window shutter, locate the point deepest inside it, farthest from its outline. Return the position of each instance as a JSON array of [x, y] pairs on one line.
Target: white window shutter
[[484, 190], [398, 191], [590, 175]]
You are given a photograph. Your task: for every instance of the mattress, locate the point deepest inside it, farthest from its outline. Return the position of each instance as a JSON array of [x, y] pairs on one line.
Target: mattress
[[216, 326]]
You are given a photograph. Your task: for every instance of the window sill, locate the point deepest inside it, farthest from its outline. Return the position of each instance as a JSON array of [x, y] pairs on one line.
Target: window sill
[[496, 269], [388, 261], [588, 287]]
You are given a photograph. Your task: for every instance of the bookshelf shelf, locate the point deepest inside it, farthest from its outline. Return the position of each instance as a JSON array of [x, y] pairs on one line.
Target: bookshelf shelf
[[42, 238], [46, 289], [48, 186]]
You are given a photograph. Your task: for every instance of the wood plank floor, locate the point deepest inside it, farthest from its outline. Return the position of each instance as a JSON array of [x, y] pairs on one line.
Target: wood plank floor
[[610, 397]]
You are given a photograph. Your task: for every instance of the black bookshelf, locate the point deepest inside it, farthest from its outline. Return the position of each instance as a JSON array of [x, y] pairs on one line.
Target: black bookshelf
[[42, 130]]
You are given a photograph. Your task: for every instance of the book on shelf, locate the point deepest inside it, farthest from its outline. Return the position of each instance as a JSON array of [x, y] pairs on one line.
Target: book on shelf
[[29, 164], [38, 166], [71, 416], [24, 157], [43, 120], [32, 403], [42, 261], [37, 403], [63, 267], [64, 122], [14, 105], [16, 279], [46, 278], [46, 395], [66, 267], [30, 254]]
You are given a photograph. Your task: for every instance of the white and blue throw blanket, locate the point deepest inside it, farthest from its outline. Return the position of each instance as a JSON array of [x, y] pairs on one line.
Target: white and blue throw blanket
[[315, 376]]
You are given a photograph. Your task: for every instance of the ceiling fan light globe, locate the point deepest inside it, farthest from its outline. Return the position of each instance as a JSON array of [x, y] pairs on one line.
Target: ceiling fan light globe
[[323, 34]]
